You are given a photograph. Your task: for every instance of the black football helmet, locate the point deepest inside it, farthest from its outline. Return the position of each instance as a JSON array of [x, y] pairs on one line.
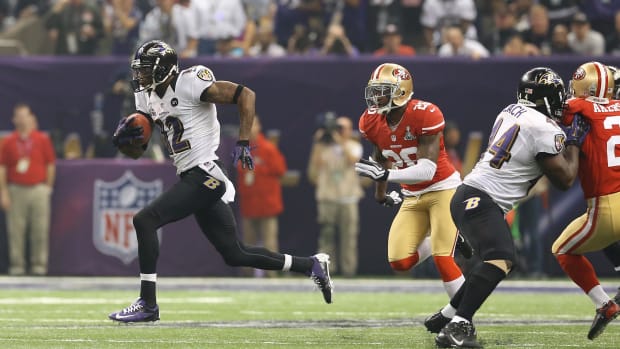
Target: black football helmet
[[616, 72], [152, 64], [542, 89]]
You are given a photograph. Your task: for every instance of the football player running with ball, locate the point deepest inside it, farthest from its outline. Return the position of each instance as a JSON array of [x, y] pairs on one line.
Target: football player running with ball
[[592, 87], [408, 149], [183, 105], [525, 144]]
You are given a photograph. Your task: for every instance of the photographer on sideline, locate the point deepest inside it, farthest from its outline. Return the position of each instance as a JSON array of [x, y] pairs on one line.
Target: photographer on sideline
[[338, 190]]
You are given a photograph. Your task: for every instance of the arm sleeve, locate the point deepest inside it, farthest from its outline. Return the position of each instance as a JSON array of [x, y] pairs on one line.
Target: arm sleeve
[[194, 81], [423, 171], [433, 120], [549, 140]]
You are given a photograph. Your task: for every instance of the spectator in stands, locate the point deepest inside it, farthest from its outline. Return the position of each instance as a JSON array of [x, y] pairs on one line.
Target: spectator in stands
[[259, 14], [560, 11], [539, 33], [380, 13], [559, 41], [338, 190], [27, 173], [504, 27], [517, 47], [266, 45], [612, 42], [6, 20], [171, 23], [456, 45], [392, 43], [75, 27], [583, 40], [337, 43], [219, 20], [228, 47], [260, 193], [438, 14], [307, 40], [521, 9], [121, 19]]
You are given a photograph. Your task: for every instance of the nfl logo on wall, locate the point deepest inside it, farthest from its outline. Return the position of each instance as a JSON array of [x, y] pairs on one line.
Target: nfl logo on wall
[[115, 204]]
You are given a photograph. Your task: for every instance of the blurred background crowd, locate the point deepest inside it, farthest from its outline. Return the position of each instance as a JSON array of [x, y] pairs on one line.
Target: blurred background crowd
[[275, 28]]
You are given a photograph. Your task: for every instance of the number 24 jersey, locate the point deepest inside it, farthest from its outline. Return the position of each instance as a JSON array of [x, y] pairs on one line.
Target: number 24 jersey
[[508, 169]]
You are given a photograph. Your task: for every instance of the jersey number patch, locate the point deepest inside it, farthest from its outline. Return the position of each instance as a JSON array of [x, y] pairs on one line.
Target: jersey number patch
[[501, 148], [613, 141], [178, 144]]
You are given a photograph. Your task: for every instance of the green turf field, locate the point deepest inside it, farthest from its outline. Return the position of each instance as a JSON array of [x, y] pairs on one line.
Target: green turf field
[[253, 313]]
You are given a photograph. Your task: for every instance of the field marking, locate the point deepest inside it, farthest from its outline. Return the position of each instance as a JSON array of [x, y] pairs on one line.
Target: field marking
[[100, 300]]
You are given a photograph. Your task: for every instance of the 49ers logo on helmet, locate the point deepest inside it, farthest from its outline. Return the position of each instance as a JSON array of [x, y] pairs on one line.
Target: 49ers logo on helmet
[[579, 74], [401, 74]]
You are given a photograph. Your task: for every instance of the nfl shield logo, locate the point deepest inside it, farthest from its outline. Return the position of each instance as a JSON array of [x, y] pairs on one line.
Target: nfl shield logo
[[115, 204]]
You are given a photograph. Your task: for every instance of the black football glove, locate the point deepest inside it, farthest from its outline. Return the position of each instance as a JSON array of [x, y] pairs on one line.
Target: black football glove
[[371, 169], [391, 199], [126, 134], [576, 132], [242, 153]]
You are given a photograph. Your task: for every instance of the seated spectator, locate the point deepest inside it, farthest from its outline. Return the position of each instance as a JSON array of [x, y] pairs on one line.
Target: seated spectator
[[337, 43], [612, 42], [169, 22], [266, 44], [583, 40], [539, 33], [121, 19], [559, 41], [219, 20], [517, 47], [560, 11], [457, 45], [392, 43], [75, 27], [439, 14], [504, 27]]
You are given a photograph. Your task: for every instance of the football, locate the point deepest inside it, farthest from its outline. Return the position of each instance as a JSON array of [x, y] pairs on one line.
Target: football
[[137, 119]]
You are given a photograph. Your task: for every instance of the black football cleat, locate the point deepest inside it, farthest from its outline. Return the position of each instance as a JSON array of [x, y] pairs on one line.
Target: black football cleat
[[436, 322], [604, 315], [458, 335]]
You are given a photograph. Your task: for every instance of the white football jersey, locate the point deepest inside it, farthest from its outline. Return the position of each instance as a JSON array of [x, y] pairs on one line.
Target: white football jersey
[[508, 169], [190, 127]]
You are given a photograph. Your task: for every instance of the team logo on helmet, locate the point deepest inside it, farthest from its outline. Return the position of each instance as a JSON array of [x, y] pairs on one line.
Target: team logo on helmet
[[115, 204], [579, 74], [401, 74], [550, 79]]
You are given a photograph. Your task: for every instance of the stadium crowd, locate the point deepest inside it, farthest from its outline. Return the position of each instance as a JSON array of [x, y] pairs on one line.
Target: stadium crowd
[[275, 28]]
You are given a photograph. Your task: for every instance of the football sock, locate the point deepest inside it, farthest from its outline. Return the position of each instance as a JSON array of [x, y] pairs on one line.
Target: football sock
[[478, 286], [450, 274], [148, 283], [302, 265], [448, 311], [580, 270], [598, 296]]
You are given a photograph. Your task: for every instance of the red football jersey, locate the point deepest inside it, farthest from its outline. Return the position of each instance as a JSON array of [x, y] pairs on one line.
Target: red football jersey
[[399, 144], [599, 166]]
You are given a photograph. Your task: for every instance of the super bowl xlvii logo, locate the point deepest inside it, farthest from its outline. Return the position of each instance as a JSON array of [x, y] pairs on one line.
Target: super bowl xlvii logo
[[115, 204]]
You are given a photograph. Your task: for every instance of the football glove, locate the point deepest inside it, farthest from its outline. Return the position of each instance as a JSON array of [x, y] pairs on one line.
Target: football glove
[[242, 153], [391, 199], [126, 134], [371, 169], [576, 132]]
